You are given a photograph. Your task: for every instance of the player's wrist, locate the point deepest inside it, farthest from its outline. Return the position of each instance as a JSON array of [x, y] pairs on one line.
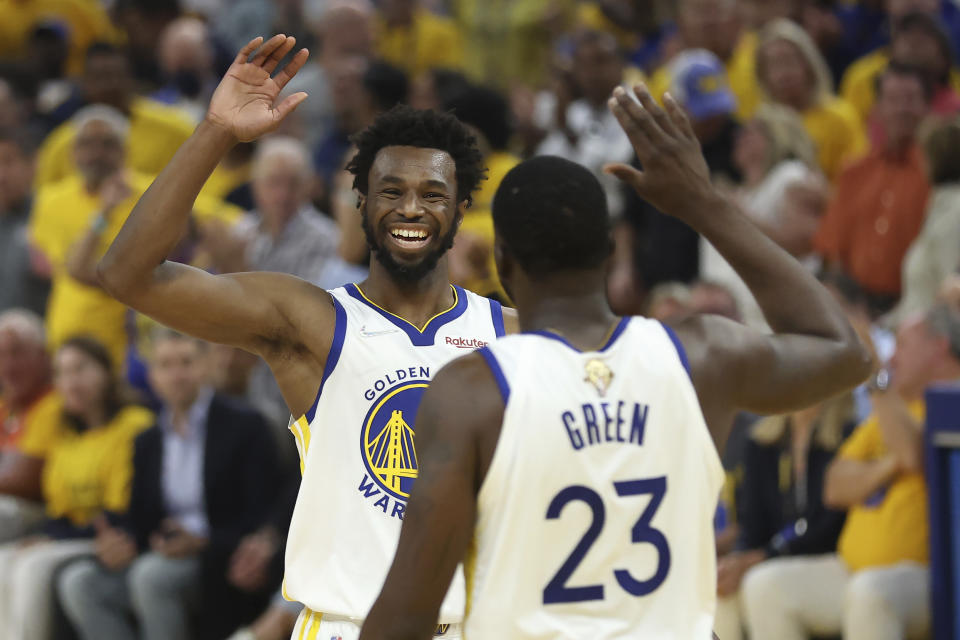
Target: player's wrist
[[214, 129]]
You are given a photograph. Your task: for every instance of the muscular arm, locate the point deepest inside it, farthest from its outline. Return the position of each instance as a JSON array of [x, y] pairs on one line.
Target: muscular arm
[[814, 352], [284, 319], [456, 435], [850, 482]]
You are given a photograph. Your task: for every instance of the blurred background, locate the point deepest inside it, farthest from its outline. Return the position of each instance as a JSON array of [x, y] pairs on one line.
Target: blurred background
[[147, 479]]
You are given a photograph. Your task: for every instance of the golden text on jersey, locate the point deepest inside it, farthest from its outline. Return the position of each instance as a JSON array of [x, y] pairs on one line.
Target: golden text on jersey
[[358, 448]]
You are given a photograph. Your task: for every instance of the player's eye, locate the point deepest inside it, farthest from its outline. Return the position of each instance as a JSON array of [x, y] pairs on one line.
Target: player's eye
[[391, 193]]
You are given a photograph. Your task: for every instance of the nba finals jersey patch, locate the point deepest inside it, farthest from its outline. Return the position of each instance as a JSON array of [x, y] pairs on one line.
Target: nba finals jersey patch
[[387, 434], [599, 375]]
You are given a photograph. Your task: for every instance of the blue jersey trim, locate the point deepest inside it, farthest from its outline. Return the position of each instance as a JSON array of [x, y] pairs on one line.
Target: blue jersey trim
[[419, 337], [617, 331], [679, 345], [336, 347], [496, 310], [497, 372]]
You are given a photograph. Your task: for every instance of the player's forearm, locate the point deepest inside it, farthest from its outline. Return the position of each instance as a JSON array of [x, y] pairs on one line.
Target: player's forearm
[[793, 302], [388, 621], [850, 482], [161, 216]]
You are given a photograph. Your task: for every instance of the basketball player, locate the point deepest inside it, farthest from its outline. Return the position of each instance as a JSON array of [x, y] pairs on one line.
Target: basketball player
[[352, 363], [578, 461]]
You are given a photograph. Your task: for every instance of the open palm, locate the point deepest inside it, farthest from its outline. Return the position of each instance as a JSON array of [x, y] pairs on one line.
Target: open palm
[[244, 102]]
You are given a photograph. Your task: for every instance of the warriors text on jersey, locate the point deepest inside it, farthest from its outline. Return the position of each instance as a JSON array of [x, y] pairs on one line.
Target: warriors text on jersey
[[357, 448], [595, 519]]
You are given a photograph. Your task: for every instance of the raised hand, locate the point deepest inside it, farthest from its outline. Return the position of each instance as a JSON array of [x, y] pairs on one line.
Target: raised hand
[[244, 102], [674, 171]]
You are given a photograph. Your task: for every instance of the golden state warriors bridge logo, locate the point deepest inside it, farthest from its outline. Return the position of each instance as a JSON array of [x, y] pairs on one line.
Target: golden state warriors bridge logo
[[387, 447]]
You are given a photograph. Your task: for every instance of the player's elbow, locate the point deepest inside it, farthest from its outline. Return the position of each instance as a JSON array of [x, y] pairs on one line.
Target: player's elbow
[[116, 279], [855, 361]]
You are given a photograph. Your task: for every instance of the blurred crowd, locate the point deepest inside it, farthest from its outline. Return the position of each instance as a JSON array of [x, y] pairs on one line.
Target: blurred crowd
[[147, 479]]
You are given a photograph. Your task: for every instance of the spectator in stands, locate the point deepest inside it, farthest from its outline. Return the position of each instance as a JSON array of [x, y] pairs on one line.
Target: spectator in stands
[[156, 130], [414, 39], [285, 234], [792, 72], [715, 25], [144, 23], [714, 298], [435, 88], [346, 32], [879, 202], [781, 505], [90, 207], [186, 58], [84, 22], [86, 474], [665, 248], [783, 193], [487, 113], [510, 41], [918, 39], [585, 130], [203, 477], [877, 584], [20, 285], [361, 90], [935, 253], [29, 414]]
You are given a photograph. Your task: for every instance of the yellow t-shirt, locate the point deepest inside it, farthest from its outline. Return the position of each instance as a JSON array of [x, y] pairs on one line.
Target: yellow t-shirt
[[86, 21], [859, 85], [429, 42], [478, 219], [41, 427], [891, 526], [90, 472], [156, 132], [837, 132], [741, 74], [62, 214]]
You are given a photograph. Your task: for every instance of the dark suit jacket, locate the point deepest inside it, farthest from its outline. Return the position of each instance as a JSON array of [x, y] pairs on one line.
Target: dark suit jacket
[[240, 477]]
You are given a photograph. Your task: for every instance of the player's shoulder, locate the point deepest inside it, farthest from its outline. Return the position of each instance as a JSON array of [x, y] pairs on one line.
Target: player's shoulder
[[467, 386]]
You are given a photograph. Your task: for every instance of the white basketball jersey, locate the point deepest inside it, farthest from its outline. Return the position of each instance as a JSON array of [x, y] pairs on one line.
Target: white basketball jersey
[[595, 519], [357, 448]]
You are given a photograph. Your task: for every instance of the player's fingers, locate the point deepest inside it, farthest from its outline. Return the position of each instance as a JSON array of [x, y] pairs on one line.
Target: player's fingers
[[248, 49], [638, 138], [279, 54], [678, 116], [268, 48], [289, 105], [287, 73], [640, 115], [625, 173], [651, 106]]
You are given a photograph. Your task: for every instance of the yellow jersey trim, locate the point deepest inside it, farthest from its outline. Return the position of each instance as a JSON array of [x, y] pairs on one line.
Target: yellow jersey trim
[[456, 299]]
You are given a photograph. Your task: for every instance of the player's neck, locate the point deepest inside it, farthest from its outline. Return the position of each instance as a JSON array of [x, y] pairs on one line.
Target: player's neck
[[576, 308], [415, 302]]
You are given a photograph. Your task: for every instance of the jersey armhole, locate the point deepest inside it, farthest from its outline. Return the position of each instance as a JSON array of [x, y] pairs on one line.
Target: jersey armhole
[[496, 311], [681, 352], [336, 347], [497, 372]]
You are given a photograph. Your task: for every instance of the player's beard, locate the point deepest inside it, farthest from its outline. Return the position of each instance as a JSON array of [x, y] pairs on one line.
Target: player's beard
[[400, 271]]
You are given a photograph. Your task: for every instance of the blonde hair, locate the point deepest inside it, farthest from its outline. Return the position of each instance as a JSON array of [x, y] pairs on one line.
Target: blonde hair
[[790, 31], [787, 137]]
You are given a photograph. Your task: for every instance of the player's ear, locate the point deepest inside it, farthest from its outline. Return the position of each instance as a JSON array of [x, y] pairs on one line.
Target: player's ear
[[361, 200]]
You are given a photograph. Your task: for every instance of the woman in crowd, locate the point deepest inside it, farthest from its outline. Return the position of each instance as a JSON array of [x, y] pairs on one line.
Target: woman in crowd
[[935, 253], [86, 476], [782, 192], [781, 509], [792, 72]]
